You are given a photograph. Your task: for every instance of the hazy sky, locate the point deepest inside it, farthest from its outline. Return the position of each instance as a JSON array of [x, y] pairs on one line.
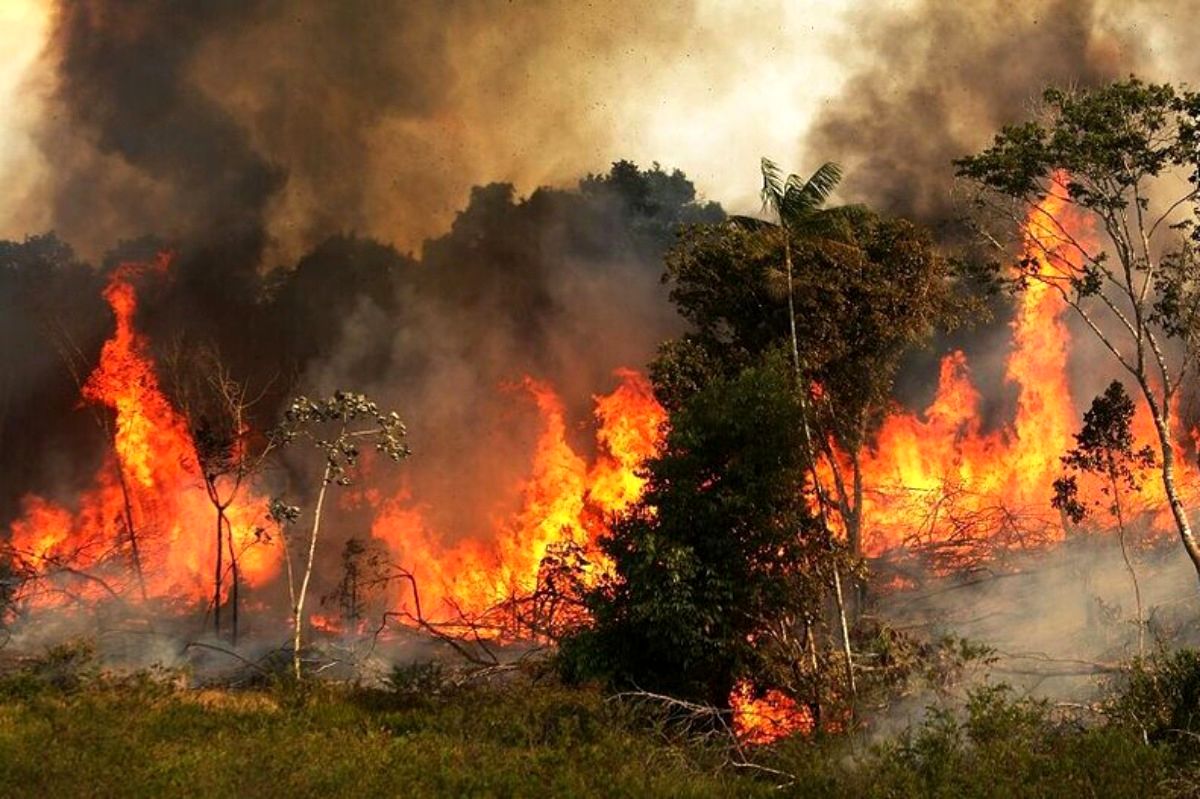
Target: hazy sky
[[23, 27]]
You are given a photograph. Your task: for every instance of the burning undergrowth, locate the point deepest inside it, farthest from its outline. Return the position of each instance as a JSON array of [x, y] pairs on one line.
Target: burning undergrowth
[[511, 344], [944, 498]]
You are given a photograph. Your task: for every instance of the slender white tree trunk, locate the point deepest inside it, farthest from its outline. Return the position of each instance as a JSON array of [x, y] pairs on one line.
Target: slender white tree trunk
[[1178, 512], [298, 607]]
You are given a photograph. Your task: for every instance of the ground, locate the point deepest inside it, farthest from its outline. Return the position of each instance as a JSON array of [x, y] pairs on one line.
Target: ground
[[66, 732]]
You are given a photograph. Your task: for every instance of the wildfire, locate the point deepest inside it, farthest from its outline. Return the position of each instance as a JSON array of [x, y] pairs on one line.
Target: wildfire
[[934, 479], [937, 480], [147, 506], [761, 720], [564, 502]]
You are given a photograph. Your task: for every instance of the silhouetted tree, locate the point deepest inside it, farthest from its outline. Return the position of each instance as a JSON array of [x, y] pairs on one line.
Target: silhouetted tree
[[1104, 447]]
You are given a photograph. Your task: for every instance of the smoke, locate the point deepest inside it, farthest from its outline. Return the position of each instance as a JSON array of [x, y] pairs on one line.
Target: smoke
[[332, 140], [941, 78], [927, 82], [1059, 623], [272, 125]]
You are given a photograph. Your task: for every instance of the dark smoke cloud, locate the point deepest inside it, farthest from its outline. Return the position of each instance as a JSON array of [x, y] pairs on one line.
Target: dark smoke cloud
[[272, 124], [933, 81], [941, 78], [123, 85]]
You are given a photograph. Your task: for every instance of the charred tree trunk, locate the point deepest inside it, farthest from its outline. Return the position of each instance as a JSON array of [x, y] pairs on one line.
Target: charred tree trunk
[[219, 573], [235, 584], [134, 547]]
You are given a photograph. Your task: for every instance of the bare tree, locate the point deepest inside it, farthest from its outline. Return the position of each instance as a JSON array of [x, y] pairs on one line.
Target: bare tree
[[336, 427], [217, 408]]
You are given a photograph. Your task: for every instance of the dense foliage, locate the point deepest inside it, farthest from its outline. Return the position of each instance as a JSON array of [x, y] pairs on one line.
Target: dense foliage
[[720, 557]]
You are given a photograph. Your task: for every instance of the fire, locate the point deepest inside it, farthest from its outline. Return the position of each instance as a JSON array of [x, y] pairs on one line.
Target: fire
[[564, 502], [937, 480], [147, 505], [764, 719], [934, 479]]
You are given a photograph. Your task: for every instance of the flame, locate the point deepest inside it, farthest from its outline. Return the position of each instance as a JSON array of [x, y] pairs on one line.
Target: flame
[[564, 501], [933, 479], [151, 478], [936, 480], [763, 719]]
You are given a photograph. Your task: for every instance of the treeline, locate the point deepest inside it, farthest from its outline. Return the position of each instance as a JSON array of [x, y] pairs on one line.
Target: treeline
[[743, 562], [527, 280]]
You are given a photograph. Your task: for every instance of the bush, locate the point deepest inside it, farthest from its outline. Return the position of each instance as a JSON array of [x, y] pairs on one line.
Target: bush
[[996, 746], [1160, 697]]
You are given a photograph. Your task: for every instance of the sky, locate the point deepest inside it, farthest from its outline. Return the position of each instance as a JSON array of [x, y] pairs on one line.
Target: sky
[[389, 143], [23, 28]]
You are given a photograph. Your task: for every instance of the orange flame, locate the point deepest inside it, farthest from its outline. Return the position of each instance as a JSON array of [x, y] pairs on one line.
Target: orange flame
[[151, 479], [936, 479], [563, 502], [764, 719]]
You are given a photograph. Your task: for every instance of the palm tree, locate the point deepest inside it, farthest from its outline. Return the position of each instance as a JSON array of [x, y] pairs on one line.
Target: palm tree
[[796, 205]]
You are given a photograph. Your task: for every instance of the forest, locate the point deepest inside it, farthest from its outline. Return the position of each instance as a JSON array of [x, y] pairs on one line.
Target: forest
[[882, 483]]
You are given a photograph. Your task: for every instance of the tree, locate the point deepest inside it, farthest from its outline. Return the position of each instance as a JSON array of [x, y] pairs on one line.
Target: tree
[[862, 291], [1104, 447], [217, 408], [336, 427], [795, 203], [720, 567], [1124, 160]]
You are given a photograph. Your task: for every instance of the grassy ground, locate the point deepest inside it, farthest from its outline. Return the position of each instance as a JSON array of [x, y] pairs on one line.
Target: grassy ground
[[63, 735], [142, 740]]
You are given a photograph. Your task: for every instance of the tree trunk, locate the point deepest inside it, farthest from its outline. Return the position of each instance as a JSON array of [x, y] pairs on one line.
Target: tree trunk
[[1179, 513], [787, 262], [1137, 589], [841, 604], [135, 549], [235, 577], [217, 575], [298, 609], [854, 517]]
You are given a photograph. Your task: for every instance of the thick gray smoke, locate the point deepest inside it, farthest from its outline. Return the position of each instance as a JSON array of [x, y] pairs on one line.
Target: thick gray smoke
[[940, 78], [272, 125]]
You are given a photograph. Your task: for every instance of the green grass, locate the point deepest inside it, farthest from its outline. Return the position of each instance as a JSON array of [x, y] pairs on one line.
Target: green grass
[[141, 740], [66, 735]]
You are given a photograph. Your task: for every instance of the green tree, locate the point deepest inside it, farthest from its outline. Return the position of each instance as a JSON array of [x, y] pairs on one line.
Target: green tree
[[862, 290], [1123, 161], [721, 563], [1104, 447]]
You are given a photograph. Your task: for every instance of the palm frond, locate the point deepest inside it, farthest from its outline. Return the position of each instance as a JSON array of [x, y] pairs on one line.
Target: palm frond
[[802, 197], [774, 186]]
